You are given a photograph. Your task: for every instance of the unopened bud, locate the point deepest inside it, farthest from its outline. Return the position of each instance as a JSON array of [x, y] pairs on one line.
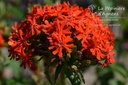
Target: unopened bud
[[80, 54]]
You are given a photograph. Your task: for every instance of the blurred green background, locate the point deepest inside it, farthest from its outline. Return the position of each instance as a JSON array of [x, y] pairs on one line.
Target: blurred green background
[[117, 74]]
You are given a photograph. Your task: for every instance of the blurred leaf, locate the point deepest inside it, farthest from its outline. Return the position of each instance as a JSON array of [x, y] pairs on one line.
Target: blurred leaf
[[118, 48], [107, 2], [48, 2], [104, 75], [116, 82], [118, 68], [48, 76], [123, 22], [16, 81], [15, 65], [57, 72], [2, 9], [15, 12]]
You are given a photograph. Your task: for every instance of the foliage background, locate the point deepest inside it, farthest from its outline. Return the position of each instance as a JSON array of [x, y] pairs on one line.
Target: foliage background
[[12, 74]]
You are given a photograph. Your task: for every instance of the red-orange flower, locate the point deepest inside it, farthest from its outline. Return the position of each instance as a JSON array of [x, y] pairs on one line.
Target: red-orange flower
[[60, 39], [1, 38], [55, 31], [18, 42]]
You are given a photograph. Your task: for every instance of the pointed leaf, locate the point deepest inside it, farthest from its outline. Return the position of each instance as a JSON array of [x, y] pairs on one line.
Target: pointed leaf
[[52, 63], [48, 76], [47, 73], [118, 68], [82, 77], [57, 72], [41, 58]]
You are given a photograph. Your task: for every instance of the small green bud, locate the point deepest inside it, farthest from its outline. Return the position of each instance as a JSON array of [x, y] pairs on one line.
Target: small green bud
[[78, 82], [74, 67], [69, 56], [72, 76], [88, 62], [85, 63]]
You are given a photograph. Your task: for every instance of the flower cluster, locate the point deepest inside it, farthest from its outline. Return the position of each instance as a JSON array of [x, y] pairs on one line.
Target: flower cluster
[[1, 38], [55, 31]]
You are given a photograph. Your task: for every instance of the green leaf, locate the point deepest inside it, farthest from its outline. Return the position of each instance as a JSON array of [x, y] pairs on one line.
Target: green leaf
[[49, 2], [2, 9], [52, 63], [48, 76], [73, 77], [117, 82], [40, 58], [107, 3], [57, 72], [114, 82], [15, 11], [82, 77], [47, 73], [118, 68]]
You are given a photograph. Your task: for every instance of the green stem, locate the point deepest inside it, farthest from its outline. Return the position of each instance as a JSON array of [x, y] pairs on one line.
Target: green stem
[[62, 78]]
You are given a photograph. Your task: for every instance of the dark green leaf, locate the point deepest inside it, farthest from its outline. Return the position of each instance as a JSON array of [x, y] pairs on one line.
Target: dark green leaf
[[57, 72], [47, 73], [52, 63], [73, 77], [82, 77], [41, 58]]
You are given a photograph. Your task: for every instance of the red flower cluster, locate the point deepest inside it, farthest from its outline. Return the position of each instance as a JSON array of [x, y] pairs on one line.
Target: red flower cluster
[[57, 28], [1, 38]]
